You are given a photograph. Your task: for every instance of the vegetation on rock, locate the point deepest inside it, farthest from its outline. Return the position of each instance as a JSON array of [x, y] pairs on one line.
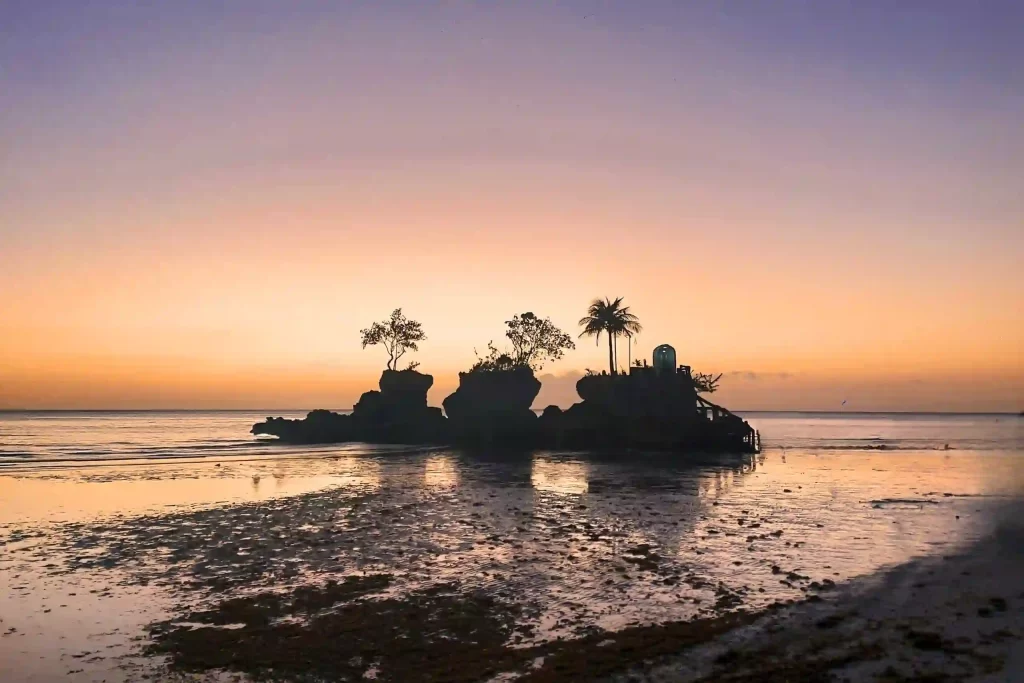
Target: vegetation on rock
[[397, 334], [706, 383], [612, 318], [535, 342]]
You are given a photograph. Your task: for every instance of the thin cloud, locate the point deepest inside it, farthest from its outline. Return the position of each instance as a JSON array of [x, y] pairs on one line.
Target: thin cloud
[[752, 376]]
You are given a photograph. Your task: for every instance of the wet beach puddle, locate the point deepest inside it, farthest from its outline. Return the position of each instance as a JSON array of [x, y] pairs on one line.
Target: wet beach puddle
[[459, 566]]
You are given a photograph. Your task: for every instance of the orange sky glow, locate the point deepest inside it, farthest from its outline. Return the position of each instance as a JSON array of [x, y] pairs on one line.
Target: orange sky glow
[[209, 225]]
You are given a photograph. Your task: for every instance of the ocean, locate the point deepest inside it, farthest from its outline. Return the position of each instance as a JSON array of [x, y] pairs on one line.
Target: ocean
[[111, 522], [32, 439]]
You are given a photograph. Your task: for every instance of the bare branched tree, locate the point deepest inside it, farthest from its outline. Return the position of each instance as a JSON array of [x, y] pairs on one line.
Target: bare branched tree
[[397, 335]]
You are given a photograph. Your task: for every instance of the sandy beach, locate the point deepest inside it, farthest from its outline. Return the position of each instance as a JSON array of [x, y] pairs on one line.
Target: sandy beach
[[807, 563], [955, 618], [951, 618]]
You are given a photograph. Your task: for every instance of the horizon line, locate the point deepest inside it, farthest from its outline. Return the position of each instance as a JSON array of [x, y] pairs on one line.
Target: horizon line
[[296, 410]]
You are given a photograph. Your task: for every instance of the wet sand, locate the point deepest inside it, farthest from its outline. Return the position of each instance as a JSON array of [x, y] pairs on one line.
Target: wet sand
[[950, 618], [455, 566]]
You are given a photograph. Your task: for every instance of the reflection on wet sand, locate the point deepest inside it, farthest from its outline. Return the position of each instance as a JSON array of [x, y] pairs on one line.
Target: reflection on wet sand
[[440, 471], [559, 476], [28, 499], [566, 542], [83, 494]]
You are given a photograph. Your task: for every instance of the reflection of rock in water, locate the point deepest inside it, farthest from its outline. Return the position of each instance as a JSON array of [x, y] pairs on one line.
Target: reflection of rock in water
[[559, 476], [572, 541], [440, 471], [714, 483], [495, 467], [644, 540], [359, 472]]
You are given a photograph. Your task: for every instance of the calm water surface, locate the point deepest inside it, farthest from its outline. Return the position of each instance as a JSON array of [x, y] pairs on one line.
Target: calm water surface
[[109, 521], [40, 438]]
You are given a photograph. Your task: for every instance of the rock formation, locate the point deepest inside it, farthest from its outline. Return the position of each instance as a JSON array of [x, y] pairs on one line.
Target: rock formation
[[398, 413], [493, 406], [645, 409], [319, 426]]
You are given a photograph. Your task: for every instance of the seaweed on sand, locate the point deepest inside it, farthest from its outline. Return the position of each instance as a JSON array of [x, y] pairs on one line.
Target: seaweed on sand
[[262, 608], [429, 636]]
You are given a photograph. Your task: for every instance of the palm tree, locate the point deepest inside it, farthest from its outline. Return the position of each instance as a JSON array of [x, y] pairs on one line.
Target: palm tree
[[610, 317]]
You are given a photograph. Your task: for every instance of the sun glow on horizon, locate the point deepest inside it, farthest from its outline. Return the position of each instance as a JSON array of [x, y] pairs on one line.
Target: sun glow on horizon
[[201, 209]]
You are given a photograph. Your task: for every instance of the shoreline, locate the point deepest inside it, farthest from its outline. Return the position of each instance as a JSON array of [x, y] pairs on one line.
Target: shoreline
[[568, 566], [262, 411], [277, 450], [948, 618]]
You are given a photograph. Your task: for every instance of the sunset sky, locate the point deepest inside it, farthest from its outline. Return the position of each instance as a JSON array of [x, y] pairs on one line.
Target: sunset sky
[[201, 203]]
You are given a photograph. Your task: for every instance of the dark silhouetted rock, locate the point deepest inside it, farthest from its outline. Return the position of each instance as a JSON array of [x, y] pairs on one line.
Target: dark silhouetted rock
[[406, 388], [645, 409], [493, 406], [646, 394], [319, 426], [551, 412], [398, 413]]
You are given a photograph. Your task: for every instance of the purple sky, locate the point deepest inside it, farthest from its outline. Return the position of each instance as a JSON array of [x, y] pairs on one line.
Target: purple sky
[[842, 177]]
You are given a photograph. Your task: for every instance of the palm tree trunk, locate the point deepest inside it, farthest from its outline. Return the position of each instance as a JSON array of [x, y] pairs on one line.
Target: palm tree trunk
[[611, 353]]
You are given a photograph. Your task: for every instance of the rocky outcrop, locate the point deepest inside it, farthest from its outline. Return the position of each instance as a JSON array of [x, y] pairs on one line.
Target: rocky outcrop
[[319, 426], [644, 409], [398, 413], [641, 394], [493, 406]]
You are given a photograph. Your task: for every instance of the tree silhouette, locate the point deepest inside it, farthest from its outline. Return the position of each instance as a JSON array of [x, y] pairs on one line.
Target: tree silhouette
[[397, 334], [536, 341], [494, 361], [610, 317], [705, 383]]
